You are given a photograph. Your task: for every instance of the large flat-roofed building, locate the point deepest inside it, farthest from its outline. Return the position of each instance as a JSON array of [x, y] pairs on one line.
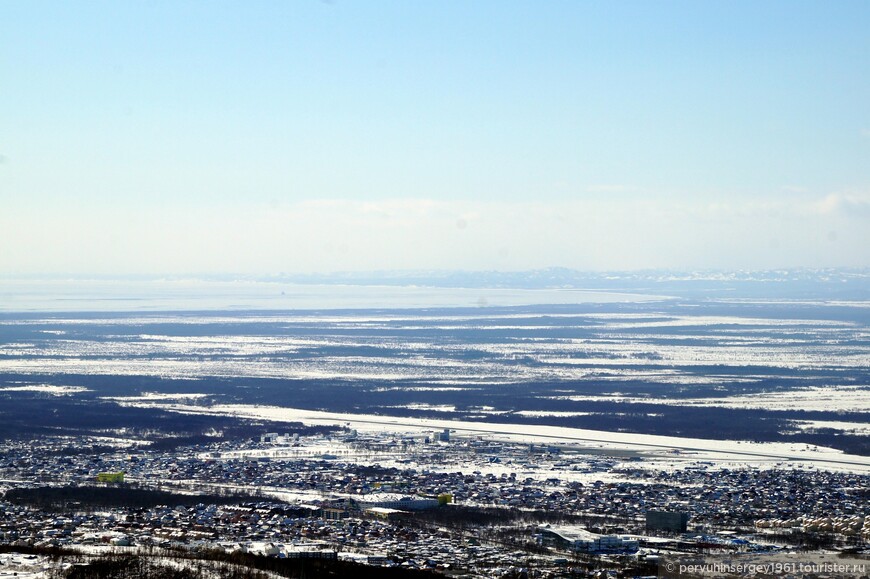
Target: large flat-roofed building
[[674, 522], [578, 539], [398, 501]]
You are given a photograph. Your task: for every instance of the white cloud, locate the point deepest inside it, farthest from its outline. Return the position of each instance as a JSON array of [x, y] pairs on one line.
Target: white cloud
[[846, 204]]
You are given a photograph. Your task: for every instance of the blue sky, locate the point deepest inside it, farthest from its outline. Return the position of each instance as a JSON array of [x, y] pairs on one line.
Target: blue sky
[[206, 137]]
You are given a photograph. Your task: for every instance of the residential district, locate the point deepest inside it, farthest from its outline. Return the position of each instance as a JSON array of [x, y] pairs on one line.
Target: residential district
[[459, 506]]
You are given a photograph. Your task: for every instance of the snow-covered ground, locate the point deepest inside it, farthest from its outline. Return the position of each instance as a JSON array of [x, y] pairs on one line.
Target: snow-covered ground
[[827, 399], [25, 566], [651, 446], [46, 389]]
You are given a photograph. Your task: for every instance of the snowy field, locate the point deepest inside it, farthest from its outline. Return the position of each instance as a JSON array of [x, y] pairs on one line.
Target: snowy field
[[667, 449], [703, 377]]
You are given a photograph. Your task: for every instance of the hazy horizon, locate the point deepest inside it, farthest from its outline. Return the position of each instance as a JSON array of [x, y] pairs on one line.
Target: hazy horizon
[[158, 138], [422, 289]]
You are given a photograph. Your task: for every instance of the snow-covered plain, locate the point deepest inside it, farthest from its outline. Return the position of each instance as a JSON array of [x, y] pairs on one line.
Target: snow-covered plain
[[566, 365], [651, 446], [52, 389], [827, 399], [610, 346]]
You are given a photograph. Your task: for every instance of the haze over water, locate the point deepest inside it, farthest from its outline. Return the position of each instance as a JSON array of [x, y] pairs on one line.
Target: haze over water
[[181, 295]]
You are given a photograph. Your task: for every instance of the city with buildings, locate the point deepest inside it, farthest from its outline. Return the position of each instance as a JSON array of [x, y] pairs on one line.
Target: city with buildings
[[460, 506]]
